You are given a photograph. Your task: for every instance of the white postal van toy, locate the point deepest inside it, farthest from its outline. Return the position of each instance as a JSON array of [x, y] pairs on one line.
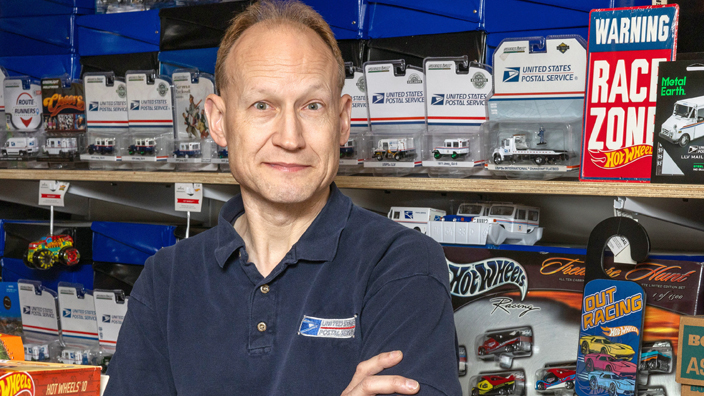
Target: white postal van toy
[[20, 147], [686, 122]]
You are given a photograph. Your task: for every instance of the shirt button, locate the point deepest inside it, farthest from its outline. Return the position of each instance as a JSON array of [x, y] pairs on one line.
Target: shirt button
[[261, 326], [264, 289]]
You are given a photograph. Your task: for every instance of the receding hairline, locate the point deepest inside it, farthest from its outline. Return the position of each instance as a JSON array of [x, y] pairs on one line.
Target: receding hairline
[[224, 79]]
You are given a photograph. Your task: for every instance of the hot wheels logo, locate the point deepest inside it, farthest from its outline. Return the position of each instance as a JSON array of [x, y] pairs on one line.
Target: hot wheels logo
[[474, 279], [619, 158], [16, 384]]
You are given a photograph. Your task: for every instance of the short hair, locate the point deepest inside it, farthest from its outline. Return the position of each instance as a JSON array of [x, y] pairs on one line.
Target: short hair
[[276, 12]]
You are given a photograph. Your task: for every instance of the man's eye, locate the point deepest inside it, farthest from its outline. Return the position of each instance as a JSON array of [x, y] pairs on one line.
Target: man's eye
[[261, 106], [314, 106]]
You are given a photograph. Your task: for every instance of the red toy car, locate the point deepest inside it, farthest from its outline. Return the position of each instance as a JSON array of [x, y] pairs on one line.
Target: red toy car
[[504, 341], [604, 362]]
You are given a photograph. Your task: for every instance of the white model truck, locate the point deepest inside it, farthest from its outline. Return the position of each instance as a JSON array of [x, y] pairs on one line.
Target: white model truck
[[20, 146], [415, 218], [455, 148], [685, 124], [397, 149], [515, 149], [492, 223], [63, 147]]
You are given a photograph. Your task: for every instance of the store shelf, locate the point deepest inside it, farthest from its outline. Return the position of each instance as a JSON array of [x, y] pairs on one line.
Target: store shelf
[[387, 183]]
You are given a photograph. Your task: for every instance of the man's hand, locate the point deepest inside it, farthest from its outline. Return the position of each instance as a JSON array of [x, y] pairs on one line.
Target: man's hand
[[366, 383]]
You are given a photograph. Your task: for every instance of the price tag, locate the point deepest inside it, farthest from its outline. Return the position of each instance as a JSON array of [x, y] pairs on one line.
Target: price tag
[[621, 249], [52, 192], [188, 197]]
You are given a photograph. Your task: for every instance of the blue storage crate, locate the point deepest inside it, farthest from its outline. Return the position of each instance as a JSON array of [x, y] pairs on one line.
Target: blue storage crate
[[129, 243], [123, 33], [38, 35], [494, 39], [395, 18], [343, 16], [20, 8], [14, 269], [42, 66], [587, 5], [202, 58]]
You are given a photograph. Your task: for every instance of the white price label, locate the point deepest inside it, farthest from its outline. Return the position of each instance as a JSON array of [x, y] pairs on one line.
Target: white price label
[[52, 192], [621, 249], [188, 197]]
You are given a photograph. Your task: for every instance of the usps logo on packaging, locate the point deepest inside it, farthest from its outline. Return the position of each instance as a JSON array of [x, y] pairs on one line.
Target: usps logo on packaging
[[134, 105], [106, 318], [512, 74], [408, 214], [66, 313], [438, 100], [93, 106], [378, 98], [27, 310], [327, 328]]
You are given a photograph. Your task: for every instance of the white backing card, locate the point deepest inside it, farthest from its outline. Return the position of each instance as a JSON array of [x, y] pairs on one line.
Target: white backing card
[[149, 105], [456, 98], [110, 314], [188, 197], [189, 100], [38, 310], [394, 100], [52, 192], [107, 105], [356, 87], [77, 314], [23, 107]]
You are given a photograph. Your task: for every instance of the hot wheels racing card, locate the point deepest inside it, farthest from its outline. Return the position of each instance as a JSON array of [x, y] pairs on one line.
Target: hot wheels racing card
[[626, 47], [679, 124]]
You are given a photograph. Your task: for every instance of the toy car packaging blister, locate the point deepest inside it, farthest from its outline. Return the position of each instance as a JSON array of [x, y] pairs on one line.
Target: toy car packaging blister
[[106, 120], [19, 378], [456, 90], [535, 110], [351, 152], [193, 149], [64, 118], [79, 328], [151, 120], [395, 102], [40, 321], [679, 126], [541, 288], [110, 311], [626, 46], [23, 114], [3, 122], [505, 383]]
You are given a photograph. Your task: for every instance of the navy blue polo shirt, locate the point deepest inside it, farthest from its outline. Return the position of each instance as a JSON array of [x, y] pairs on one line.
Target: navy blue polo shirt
[[203, 321]]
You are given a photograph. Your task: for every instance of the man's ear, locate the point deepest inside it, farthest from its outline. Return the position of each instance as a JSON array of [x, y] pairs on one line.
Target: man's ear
[[345, 118], [215, 111]]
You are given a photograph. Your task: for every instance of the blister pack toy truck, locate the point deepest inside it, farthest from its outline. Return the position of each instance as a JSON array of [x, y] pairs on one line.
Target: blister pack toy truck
[[455, 148], [62, 147], [20, 146], [397, 149], [685, 124], [143, 146], [188, 150], [514, 149], [102, 146]]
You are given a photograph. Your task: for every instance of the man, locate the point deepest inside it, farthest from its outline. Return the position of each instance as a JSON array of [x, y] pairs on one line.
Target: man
[[295, 286]]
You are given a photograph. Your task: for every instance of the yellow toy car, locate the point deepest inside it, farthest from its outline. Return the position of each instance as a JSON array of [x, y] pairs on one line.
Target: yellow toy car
[[46, 252], [599, 344]]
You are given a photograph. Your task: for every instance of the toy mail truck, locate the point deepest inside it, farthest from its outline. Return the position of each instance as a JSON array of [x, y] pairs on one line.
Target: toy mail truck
[[102, 145], [515, 149], [20, 146], [686, 122], [63, 147], [397, 149], [188, 150], [455, 148], [416, 218]]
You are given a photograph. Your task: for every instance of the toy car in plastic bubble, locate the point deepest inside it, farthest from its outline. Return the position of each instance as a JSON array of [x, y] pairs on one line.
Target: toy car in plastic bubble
[[603, 362], [506, 341], [495, 384], [556, 378], [656, 357], [46, 252], [612, 383], [599, 344]]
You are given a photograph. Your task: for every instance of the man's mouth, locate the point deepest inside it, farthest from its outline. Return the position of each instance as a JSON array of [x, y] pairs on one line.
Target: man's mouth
[[287, 167]]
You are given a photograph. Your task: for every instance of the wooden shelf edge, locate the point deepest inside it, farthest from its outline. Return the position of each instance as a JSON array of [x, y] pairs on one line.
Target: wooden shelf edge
[[385, 183]]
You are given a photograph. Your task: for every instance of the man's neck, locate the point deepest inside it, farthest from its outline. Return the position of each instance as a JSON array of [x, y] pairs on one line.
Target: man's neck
[[270, 230]]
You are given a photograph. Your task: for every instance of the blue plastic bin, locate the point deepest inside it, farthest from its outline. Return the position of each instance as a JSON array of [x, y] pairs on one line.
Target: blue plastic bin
[[129, 243], [42, 65], [123, 33], [21, 8], [37, 35]]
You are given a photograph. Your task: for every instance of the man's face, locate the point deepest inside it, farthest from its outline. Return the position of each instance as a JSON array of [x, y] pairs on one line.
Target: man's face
[[282, 115]]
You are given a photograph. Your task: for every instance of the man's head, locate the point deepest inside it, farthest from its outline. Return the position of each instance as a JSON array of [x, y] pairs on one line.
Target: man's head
[[279, 73]]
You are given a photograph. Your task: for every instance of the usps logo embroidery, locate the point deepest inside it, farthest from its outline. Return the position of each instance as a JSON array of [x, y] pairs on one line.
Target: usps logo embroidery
[[438, 100], [512, 74], [378, 98], [327, 328]]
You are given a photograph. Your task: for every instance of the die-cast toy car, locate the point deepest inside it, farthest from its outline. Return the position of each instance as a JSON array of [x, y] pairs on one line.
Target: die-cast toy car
[[599, 344], [603, 362], [495, 385], [556, 378], [46, 252]]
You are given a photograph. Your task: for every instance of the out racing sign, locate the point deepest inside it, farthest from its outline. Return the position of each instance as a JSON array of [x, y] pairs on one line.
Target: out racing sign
[[626, 46]]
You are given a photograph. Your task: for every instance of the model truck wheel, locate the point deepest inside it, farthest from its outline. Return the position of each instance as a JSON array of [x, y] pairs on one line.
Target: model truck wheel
[[541, 386], [569, 384], [497, 159], [397, 156], [379, 157], [69, 255], [22, 153], [539, 160], [436, 154], [4, 153], [684, 140], [43, 259], [454, 155], [91, 150]]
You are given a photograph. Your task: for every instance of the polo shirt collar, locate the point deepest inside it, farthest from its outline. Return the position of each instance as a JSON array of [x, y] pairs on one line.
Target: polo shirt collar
[[318, 243]]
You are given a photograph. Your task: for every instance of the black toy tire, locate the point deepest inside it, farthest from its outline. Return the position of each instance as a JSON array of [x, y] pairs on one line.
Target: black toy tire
[[684, 140], [43, 259], [541, 386], [379, 157], [539, 160], [397, 157], [497, 159], [569, 384]]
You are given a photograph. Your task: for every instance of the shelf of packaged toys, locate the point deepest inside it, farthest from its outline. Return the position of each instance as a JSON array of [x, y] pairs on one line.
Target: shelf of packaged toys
[[478, 185]]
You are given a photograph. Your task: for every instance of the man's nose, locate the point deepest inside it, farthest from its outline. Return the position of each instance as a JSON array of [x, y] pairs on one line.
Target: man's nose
[[289, 133]]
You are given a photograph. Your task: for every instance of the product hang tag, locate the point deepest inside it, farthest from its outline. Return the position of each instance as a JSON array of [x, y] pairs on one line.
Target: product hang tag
[[188, 197], [611, 326], [52, 192]]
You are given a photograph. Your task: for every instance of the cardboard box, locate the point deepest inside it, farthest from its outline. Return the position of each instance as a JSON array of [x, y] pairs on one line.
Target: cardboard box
[[12, 347], [692, 390], [40, 379], [690, 351]]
